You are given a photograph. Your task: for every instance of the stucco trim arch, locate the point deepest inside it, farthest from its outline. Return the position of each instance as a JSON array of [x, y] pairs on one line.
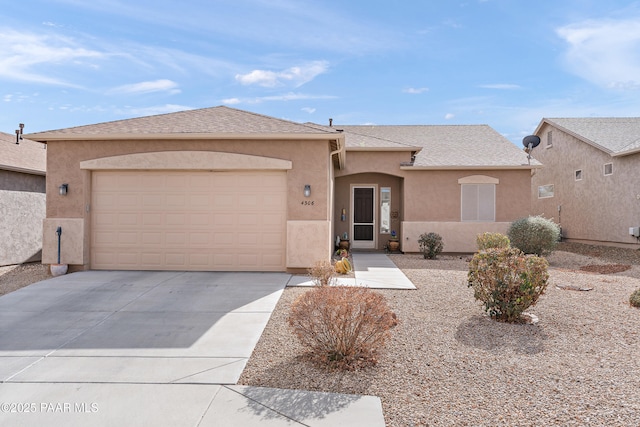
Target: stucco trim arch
[[478, 179], [186, 160]]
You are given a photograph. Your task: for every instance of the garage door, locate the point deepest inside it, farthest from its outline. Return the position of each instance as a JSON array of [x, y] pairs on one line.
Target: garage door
[[191, 220]]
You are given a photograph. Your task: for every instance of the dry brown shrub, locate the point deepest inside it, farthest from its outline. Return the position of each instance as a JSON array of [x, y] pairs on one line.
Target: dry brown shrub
[[323, 273], [343, 327]]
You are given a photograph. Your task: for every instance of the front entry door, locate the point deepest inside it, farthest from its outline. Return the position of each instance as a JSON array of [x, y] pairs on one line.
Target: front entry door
[[364, 218]]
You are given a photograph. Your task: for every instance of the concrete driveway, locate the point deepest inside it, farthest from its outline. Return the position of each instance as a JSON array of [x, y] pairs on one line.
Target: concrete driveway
[[150, 348]]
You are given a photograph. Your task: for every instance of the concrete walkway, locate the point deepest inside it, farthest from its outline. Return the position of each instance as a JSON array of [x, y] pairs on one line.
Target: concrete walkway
[[106, 348], [371, 269]]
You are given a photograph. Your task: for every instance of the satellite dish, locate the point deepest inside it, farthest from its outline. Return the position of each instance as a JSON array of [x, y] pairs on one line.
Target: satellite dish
[[531, 141]]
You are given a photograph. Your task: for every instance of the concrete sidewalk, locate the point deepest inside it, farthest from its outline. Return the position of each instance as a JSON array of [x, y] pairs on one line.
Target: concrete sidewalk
[[134, 348], [371, 270]]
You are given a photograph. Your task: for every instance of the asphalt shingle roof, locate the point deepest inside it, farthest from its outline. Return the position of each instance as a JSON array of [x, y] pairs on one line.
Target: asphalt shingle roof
[[611, 134], [214, 120], [28, 156], [442, 145]]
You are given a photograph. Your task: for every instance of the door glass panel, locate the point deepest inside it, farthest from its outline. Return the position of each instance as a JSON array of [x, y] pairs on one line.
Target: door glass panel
[[363, 216]]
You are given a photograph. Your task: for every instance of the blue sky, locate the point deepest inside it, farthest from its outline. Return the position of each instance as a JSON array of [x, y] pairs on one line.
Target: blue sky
[[505, 63]]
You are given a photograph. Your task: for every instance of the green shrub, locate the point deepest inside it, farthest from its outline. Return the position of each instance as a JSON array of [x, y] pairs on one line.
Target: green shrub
[[534, 235], [344, 327], [634, 299], [430, 245], [323, 273], [507, 281], [492, 240]]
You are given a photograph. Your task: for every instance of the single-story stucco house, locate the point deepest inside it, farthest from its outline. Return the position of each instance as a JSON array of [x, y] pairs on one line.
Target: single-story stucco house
[[589, 184], [22, 199], [226, 189]]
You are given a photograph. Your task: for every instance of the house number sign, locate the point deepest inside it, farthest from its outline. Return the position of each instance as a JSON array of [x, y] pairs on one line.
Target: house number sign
[[308, 202]]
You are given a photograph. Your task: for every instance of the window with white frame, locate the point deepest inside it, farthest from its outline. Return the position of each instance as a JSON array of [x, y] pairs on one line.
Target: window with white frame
[[549, 139], [579, 175], [478, 202], [608, 169], [385, 210], [545, 191]]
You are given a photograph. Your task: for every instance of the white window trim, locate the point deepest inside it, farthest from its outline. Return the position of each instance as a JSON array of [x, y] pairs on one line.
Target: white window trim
[[549, 143], [604, 169], [552, 191], [493, 185]]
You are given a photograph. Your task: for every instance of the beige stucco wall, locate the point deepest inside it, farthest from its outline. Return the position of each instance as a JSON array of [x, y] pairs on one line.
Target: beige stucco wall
[[597, 208], [457, 237], [22, 213], [343, 197], [435, 195], [71, 241], [309, 159], [430, 200], [307, 242]]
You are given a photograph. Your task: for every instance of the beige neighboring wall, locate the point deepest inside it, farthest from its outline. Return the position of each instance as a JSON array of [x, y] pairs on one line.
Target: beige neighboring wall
[[597, 208], [308, 162]]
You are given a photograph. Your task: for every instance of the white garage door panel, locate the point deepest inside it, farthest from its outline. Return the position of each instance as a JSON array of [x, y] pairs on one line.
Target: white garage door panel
[[172, 220]]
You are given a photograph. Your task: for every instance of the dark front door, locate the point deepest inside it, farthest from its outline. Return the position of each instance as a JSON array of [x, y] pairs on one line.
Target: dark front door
[[363, 217]]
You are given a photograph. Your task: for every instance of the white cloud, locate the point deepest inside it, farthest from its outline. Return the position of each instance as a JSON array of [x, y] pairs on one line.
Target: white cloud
[[309, 110], [294, 76], [162, 85], [150, 111], [231, 101], [414, 91], [290, 96], [605, 52], [449, 116], [29, 57], [502, 86]]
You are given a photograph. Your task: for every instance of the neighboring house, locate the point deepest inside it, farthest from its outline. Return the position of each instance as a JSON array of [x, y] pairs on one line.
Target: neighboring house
[[22, 199], [225, 189], [590, 183]]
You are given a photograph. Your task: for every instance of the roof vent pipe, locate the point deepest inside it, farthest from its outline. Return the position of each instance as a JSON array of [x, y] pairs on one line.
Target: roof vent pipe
[[330, 122]]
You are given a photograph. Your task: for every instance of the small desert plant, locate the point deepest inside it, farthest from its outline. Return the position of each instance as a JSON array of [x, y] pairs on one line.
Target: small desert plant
[[492, 240], [430, 245], [634, 299], [323, 273], [343, 326], [534, 235], [507, 281]]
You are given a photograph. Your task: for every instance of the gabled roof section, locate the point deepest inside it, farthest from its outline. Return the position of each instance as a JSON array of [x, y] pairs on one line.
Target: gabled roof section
[[214, 122], [27, 156], [617, 136], [443, 146]]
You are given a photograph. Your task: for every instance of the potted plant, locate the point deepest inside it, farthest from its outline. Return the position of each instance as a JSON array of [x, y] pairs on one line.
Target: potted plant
[[394, 243]]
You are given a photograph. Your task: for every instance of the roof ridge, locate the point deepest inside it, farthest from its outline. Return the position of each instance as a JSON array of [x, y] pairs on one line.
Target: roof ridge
[[382, 139]]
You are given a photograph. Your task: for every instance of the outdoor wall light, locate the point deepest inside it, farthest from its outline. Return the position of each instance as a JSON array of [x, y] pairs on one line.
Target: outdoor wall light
[[307, 190], [63, 189]]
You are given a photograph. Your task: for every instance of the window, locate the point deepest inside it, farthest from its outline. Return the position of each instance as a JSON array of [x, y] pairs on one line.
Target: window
[[545, 191], [579, 175], [385, 210], [478, 202], [549, 139], [608, 169]]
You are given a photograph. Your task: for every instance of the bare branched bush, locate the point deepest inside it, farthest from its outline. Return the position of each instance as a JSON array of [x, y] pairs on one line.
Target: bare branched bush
[[343, 327], [323, 273]]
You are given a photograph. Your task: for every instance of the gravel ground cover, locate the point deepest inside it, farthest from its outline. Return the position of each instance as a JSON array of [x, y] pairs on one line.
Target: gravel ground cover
[[450, 365]]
